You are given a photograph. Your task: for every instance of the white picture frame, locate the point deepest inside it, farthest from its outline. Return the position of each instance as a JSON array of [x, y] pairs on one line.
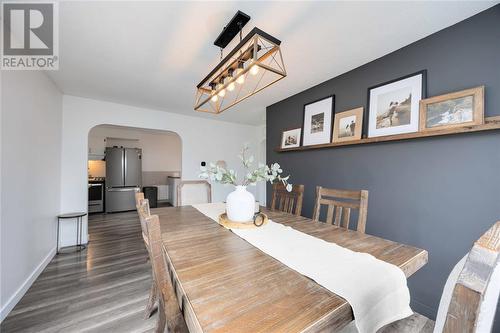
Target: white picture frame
[[393, 107], [291, 138], [317, 123]]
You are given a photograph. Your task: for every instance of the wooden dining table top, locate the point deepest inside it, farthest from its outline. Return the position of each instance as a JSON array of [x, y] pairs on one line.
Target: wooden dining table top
[[225, 284]]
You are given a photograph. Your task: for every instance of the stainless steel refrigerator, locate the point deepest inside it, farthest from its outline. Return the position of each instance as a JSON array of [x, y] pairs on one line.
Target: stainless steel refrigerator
[[123, 178]]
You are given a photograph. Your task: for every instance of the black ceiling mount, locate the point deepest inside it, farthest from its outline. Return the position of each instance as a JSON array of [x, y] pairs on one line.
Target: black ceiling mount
[[232, 29]]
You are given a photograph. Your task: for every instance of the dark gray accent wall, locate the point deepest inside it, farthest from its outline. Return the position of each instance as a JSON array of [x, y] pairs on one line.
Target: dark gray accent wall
[[439, 194]]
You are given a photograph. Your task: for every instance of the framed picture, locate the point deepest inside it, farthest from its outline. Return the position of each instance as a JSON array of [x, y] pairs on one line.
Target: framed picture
[[456, 109], [393, 107], [291, 138], [317, 124], [347, 125]]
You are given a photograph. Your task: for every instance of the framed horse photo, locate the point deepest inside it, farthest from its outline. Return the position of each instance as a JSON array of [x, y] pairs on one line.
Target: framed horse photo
[[348, 125], [393, 107]]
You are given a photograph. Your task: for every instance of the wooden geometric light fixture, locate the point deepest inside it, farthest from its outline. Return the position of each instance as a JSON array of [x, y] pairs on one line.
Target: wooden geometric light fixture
[[254, 64]]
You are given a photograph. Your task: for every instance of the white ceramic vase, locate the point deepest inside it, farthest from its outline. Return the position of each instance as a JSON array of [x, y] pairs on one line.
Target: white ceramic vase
[[240, 205]]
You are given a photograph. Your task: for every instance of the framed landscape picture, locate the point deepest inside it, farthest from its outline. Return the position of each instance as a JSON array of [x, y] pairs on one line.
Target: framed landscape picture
[[317, 123], [347, 125], [457, 109], [291, 138], [393, 107]]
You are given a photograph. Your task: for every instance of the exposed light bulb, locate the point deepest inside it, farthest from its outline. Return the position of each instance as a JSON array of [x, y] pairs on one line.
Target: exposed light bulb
[[254, 70], [214, 98], [222, 92], [230, 87], [241, 79]]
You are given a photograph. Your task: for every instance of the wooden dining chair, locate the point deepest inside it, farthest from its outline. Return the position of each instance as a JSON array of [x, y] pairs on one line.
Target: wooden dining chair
[[476, 288], [139, 196], [470, 295], [169, 313], [144, 213], [191, 192], [288, 202], [340, 203]]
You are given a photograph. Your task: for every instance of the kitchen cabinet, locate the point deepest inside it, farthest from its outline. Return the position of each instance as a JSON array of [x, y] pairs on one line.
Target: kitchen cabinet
[[97, 146]]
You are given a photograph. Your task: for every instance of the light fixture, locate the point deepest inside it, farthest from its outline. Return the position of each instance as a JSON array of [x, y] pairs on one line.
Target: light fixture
[[257, 54]]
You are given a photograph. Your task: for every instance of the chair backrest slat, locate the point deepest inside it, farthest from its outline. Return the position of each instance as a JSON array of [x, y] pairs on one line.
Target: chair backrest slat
[[144, 212], [340, 203], [139, 196], [193, 192], [330, 202], [338, 211], [173, 315], [346, 217], [470, 288], [344, 194], [288, 202], [330, 213]]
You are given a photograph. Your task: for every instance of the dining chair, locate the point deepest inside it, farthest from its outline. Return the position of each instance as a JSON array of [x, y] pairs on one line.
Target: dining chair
[[288, 202], [139, 196], [340, 203], [470, 296], [191, 192], [169, 313], [144, 212]]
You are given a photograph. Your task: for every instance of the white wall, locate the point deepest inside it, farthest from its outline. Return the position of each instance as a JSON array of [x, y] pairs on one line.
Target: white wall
[[260, 154], [202, 140], [30, 173], [161, 150]]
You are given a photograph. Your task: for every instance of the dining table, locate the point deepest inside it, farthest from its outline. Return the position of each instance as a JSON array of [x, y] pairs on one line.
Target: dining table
[[225, 284]]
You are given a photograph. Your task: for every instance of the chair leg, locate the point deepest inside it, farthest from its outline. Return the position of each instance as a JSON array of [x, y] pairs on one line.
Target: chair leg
[[162, 319], [153, 297]]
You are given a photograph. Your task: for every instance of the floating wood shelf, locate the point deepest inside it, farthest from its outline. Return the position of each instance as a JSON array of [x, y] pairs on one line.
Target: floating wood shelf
[[491, 123]]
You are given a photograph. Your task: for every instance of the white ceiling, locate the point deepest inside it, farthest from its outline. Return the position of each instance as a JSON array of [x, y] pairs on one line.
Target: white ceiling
[[152, 54]]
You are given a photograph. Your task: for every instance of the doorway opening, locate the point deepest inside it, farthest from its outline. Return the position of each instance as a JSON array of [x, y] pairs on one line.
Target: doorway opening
[[124, 160]]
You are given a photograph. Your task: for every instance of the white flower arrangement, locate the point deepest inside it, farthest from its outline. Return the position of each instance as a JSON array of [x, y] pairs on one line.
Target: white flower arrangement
[[263, 172]]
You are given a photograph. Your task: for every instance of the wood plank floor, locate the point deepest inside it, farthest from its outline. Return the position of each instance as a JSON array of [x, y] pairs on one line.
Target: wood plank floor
[[101, 289]]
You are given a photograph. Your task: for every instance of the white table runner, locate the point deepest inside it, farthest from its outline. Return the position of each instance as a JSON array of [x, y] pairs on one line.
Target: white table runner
[[376, 290]]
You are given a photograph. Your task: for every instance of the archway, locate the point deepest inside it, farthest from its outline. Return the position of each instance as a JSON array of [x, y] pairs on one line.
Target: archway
[[159, 160]]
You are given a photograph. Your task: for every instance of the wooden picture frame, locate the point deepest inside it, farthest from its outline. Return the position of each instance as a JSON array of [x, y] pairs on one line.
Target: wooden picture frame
[[286, 143], [348, 125], [452, 110], [382, 96], [317, 121]]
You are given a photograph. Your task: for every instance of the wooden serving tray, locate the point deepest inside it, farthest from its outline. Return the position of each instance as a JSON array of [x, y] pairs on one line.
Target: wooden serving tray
[[260, 220]]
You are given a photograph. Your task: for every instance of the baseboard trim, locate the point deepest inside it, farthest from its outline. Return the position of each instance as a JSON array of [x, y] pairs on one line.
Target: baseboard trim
[[14, 299]]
